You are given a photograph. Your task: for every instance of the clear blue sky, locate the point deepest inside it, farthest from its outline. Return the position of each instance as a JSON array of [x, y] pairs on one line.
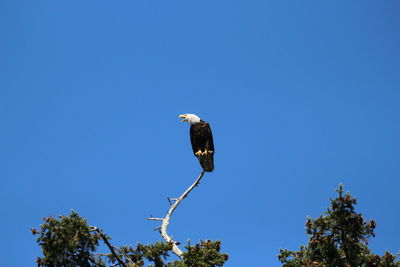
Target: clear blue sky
[[301, 95]]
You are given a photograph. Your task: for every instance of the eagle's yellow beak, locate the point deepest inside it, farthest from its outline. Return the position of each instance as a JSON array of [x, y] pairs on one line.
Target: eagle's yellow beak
[[183, 116]]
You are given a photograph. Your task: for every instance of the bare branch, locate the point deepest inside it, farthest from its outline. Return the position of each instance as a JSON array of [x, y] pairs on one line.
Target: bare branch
[[104, 237], [131, 263], [155, 219], [165, 221], [169, 200]]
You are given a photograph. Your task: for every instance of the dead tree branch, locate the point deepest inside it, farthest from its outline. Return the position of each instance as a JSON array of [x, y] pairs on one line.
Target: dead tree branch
[[105, 239], [166, 219]]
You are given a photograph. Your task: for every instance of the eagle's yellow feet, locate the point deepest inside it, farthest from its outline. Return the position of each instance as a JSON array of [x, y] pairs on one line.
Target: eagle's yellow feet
[[208, 152], [201, 153]]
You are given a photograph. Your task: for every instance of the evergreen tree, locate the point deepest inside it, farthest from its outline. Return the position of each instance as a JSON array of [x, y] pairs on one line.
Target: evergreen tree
[[69, 241], [338, 238]]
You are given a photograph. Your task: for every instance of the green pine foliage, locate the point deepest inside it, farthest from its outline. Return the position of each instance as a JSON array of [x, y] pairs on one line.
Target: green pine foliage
[[66, 241], [69, 241], [204, 254], [338, 238]]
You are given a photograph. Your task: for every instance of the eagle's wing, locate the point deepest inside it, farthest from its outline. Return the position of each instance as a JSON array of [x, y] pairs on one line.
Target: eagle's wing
[[209, 145], [201, 137]]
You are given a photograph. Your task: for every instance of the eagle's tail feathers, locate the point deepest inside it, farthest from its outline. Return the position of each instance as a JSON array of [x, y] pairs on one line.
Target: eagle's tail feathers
[[207, 161]]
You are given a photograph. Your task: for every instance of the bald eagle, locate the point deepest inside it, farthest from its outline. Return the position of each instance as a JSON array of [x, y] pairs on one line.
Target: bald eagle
[[202, 140]]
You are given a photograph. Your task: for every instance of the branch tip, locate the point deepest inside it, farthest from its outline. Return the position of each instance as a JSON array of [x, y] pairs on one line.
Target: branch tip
[[155, 219]]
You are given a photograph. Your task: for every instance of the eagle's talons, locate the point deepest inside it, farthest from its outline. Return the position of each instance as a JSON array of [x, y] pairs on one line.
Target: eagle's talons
[[201, 153]]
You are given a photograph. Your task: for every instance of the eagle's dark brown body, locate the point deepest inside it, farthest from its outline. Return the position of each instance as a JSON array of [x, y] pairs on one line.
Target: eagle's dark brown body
[[203, 144]]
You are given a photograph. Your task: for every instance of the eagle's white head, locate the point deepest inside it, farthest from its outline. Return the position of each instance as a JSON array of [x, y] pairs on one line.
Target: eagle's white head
[[190, 118]]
